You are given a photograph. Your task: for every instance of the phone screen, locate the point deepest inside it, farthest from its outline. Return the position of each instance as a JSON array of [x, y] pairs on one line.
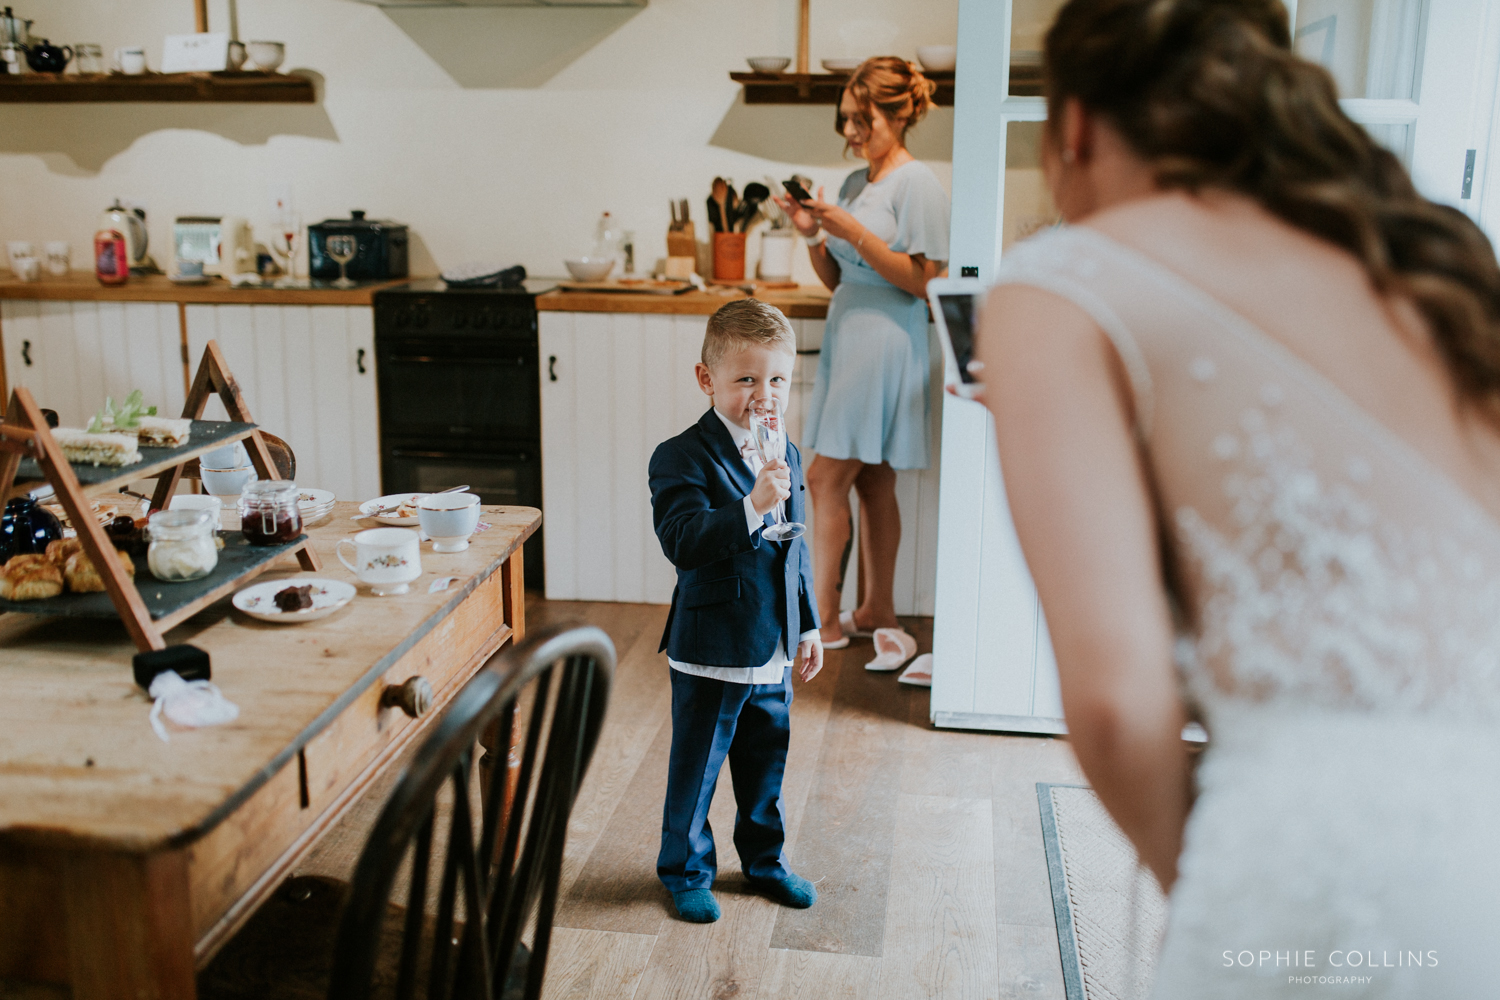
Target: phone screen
[[958, 317], [797, 191]]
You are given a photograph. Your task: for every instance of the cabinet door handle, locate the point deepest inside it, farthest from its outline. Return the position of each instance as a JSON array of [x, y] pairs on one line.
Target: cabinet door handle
[[26, 354], [359, 360], [551, 367], [414, 697]]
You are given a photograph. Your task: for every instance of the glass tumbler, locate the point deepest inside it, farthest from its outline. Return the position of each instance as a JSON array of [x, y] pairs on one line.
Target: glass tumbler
[[88, 58]]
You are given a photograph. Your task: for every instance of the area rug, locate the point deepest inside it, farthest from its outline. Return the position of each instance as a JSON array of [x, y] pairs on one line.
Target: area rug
[[1110, 912]]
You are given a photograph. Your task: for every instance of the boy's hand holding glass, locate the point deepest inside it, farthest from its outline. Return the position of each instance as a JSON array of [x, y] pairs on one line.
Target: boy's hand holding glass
[[768, 432], [772, 485]]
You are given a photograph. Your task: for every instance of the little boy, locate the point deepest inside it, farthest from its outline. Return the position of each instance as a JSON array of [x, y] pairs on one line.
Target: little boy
[[741, 605]]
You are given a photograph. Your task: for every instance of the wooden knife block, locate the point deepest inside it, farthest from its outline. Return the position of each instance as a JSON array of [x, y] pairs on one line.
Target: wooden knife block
[[682, 242]]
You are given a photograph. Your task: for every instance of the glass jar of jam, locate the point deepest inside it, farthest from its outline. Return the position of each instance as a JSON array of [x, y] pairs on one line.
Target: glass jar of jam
[[269, 514], [182, 545]]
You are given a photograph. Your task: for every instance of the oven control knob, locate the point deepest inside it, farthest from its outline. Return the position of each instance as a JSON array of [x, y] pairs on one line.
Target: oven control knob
[[414, 697]]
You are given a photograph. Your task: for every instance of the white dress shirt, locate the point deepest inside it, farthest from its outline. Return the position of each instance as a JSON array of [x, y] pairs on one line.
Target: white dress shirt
[[773, 670]]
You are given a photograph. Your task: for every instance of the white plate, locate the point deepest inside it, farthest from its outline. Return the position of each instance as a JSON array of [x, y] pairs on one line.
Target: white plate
[[309, 499], [259, 600], [391, 500], [190, 279]]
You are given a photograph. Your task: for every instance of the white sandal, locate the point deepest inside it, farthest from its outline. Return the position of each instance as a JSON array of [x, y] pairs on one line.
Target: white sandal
[[853, 631], [919, 674], [893, 647], [838, 643]]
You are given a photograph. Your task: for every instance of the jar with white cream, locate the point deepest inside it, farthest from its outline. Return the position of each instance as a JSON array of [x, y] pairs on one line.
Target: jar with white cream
[[182, 545]]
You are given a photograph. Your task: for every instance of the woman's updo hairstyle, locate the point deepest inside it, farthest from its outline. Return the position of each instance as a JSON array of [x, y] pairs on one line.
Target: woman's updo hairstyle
[[893, 85], [1210, 93]]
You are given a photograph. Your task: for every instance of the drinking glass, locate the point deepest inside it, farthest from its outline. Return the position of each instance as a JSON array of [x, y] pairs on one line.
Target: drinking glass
[[768, 431], [341, 249], [88, 58]]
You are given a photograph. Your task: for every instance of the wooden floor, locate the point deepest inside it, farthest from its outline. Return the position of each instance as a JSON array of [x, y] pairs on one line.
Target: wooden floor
[[925, 846]]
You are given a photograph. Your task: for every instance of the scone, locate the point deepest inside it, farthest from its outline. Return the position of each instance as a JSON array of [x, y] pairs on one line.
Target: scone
[[84, 578], [58, 551], [30, 577]]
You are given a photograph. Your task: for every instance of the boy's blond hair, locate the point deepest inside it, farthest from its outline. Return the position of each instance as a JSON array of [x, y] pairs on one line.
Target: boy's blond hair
[[743, 322]]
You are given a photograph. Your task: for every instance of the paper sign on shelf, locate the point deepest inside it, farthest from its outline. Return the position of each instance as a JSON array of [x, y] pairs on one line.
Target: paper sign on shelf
[[200, 53]]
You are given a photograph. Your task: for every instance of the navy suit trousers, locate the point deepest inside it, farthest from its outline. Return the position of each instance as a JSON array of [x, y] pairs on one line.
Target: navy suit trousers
[[750, 724]]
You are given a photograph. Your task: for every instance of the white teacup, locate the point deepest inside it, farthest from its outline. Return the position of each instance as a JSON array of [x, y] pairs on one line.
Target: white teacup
[[448, 519], [229, 456], [385, 558], [197, 501], [227, 482], [130, 60], [16, 249]]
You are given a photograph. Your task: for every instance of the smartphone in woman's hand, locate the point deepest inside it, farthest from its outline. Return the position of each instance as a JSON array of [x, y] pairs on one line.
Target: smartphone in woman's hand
[[799, 193]]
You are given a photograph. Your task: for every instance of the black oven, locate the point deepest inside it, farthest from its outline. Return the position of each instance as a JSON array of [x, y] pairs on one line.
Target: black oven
[[460, 395]]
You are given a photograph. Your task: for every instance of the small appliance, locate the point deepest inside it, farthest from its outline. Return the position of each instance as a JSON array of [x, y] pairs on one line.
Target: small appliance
[[131, 224], [380, 248]]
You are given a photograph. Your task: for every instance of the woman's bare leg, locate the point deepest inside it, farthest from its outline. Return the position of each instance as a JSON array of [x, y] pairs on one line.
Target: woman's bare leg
[[829, 481], [879, 538]]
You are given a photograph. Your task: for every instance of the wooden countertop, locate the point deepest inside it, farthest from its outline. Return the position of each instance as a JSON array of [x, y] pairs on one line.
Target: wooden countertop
[[79, 762], [807, 302], [82, 286]]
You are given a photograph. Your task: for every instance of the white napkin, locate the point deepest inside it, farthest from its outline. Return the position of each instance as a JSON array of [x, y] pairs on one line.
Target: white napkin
[[188, 703]]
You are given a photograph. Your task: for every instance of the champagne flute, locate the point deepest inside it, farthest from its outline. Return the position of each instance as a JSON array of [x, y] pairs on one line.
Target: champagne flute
[[342, 249], [768, 431]]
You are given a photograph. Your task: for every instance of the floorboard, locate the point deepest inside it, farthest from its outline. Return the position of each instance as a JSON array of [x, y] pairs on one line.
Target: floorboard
[[819, 975], [595, 965]]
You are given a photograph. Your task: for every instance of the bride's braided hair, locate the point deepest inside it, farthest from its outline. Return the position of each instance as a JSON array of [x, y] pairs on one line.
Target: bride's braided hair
[[1210, 93]]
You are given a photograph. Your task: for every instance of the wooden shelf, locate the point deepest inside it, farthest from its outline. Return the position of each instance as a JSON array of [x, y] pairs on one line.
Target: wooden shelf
[[825, 88], [177, 88]]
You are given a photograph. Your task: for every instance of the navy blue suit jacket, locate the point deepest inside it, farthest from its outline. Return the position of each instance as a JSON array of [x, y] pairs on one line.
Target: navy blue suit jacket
[[736, 593]]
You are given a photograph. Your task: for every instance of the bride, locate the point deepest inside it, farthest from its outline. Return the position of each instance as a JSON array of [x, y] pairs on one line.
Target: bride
[[1248, 408]]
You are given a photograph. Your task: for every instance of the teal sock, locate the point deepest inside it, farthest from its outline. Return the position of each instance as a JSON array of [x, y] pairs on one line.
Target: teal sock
[[696, 906], [794, 890]]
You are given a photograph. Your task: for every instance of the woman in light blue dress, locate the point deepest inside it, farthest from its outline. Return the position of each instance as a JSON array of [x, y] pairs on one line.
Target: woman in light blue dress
[[876, 248]]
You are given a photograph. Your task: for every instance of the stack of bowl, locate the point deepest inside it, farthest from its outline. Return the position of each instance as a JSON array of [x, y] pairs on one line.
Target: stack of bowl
[[226, 470]]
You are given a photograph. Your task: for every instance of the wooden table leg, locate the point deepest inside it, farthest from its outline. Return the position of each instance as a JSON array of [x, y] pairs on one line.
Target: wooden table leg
[[130, 928], [513, 580]]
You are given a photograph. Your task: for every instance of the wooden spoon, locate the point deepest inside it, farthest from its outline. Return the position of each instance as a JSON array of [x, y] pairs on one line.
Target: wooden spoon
[[721, 198]]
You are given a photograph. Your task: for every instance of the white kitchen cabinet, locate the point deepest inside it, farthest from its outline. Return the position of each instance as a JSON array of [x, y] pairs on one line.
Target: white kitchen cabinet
[[308, 375], [614, 386], [73, 354]]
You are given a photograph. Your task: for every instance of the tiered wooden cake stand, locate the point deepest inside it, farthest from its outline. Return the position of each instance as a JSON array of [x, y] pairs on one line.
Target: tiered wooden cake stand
[[30, 456]]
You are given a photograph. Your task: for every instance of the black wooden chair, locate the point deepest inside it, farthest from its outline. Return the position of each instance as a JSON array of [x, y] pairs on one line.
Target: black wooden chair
[[508, 879]]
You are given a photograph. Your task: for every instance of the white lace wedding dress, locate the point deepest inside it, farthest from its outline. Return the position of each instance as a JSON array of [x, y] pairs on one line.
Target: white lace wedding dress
[[1342, 645]]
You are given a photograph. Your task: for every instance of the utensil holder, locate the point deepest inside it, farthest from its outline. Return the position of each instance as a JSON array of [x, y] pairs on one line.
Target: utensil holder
[[729, 256], [776, 248]]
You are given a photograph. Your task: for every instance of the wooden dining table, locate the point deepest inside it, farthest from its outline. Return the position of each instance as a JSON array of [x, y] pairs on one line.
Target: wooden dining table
[[126, 861]]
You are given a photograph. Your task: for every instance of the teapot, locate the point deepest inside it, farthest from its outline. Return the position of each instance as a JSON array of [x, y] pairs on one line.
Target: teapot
[[44, 57], [131, 223]]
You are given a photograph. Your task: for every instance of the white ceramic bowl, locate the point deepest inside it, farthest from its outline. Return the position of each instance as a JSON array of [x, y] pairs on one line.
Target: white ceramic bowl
[[227, 482], [590, 268], [768, 64], [938, 58], [449, 519], [841, 65], [266, 55]]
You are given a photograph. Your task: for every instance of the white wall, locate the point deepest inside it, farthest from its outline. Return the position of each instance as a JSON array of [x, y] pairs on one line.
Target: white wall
[[497, 134]]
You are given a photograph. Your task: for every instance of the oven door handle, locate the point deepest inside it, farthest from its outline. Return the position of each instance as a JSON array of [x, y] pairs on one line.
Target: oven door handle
[[519, 456], [461, 359]]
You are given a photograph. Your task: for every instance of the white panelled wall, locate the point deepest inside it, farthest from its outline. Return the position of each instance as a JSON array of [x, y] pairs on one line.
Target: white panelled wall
[[297, 366], [299, 370], [620, 384]]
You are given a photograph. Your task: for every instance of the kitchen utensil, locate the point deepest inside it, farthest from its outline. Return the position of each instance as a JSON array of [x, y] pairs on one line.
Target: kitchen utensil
[[130, 60], [14, 30], [259, 600], [342, 249], [590, 268], [768, 64], [59, 258], [381, 251], [776, 248], [266, 56], [729, 256], [755, 194], [130, 223], [449, 519], [841, 65], [44, 57], [387, 559], [16, 249], [88, 58], [938, 58]]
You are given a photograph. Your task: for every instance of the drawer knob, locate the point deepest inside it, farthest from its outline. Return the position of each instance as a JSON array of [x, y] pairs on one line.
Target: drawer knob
[[414, 696]]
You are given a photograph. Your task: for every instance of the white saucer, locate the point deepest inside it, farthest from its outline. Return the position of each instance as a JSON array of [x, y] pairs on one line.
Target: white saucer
[[259, 600], [390, 501], [190, 279]]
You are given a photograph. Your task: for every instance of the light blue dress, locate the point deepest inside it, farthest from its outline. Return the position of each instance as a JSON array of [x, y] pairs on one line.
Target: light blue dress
[[870, 398]]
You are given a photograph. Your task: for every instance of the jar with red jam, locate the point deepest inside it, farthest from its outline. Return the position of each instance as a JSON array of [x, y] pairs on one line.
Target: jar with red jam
[[268, 512]]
